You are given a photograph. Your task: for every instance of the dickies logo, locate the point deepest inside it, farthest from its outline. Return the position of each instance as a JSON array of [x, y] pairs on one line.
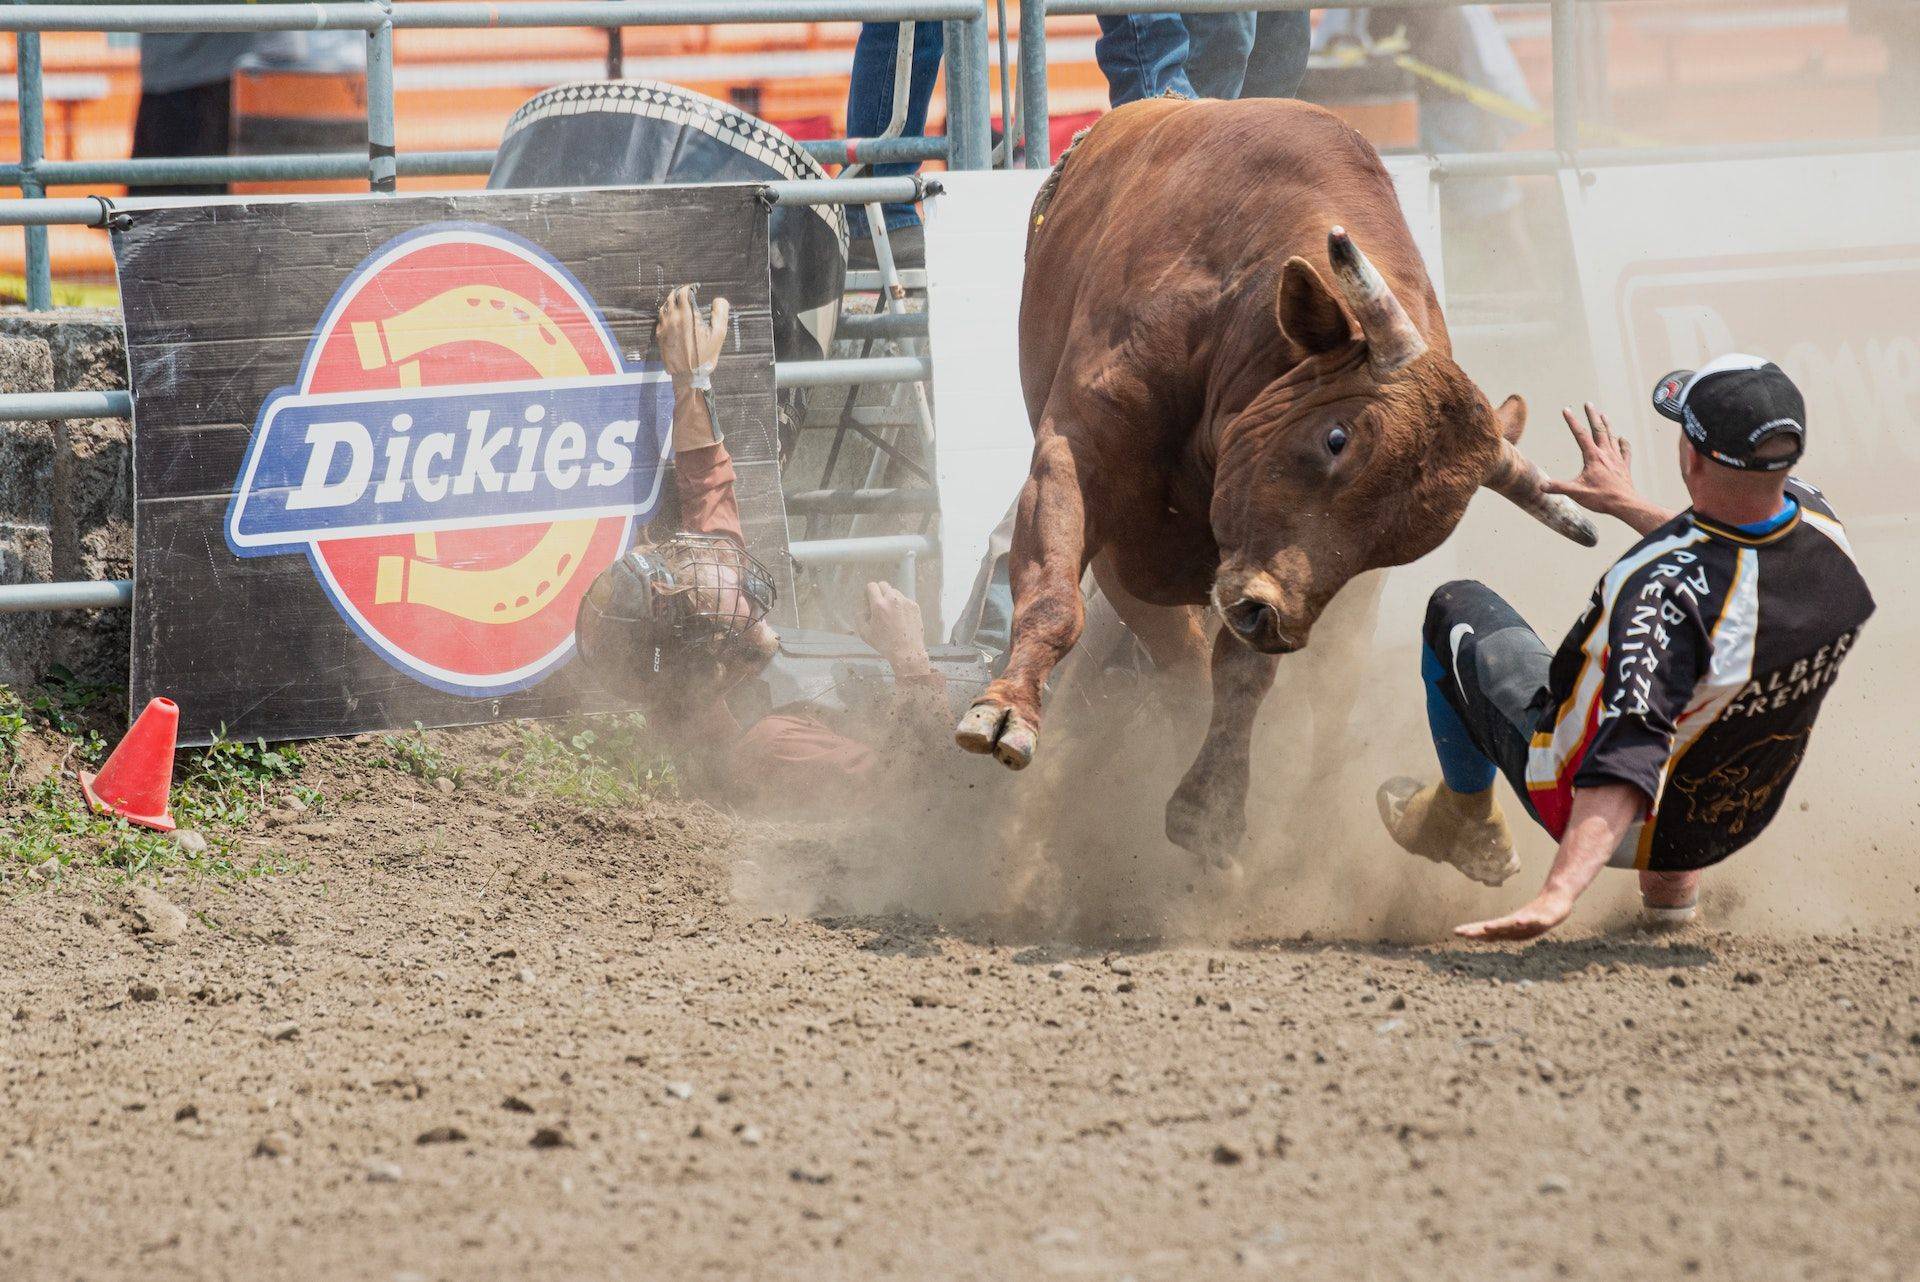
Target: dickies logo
[[462, 455]]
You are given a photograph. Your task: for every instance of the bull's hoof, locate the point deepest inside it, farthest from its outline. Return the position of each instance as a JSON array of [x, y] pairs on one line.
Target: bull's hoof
[[991, 727], [1204, 828]]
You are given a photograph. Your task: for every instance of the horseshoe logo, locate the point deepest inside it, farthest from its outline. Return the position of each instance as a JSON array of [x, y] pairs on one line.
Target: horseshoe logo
[[504, 319]]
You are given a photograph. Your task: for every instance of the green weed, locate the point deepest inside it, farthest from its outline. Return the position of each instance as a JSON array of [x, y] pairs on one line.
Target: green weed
[[13, 721], [609, 759], [415, 754]]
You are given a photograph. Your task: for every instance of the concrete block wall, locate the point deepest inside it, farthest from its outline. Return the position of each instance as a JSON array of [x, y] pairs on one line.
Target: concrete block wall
[[66, 494]]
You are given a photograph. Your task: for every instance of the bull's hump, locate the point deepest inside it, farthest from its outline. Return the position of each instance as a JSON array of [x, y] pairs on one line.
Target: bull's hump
[[1258, 176]]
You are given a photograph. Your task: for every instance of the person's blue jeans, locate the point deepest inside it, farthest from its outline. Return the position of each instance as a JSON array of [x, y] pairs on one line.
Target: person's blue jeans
[[1247, 55], [1203, 55], [870, 101], [1143, 55]]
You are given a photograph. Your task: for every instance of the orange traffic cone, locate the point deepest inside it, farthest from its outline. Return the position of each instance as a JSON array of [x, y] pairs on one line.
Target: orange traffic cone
[[135, 781]]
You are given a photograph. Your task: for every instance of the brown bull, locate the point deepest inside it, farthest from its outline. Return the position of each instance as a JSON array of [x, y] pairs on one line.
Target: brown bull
[[1233, 404]]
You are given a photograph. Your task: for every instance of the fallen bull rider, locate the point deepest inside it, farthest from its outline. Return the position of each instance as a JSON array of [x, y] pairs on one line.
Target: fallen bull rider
[[1664, 732], [811, 720]]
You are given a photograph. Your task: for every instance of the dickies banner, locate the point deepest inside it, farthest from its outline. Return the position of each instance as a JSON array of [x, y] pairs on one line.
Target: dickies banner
[[383, 446]]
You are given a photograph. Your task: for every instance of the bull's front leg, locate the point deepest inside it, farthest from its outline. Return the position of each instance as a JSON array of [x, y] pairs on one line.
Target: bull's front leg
[[1049, 554], [1208, 811]]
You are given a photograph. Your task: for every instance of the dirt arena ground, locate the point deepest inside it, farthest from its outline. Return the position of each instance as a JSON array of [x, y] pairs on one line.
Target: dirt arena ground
[[487, 1036]]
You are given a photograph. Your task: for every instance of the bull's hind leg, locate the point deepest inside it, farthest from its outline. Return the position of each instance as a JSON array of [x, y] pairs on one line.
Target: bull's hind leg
[[1048, 557], [1208, 812]]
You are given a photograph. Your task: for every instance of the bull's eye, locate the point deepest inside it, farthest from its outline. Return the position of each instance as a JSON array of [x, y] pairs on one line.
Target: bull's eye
[[1336, 440]]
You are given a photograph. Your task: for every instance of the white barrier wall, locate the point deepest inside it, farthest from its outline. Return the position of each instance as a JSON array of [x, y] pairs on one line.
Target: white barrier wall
[[976, 256], [1813, 262]]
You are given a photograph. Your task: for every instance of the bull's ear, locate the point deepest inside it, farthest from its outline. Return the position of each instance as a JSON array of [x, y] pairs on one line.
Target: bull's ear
[[1512, 417], [1309, 313]]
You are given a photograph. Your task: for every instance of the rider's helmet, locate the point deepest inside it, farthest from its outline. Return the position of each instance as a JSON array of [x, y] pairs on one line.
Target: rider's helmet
[[684, 603]]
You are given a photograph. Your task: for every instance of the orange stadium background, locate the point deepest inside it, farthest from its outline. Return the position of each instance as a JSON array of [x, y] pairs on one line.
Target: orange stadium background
[[1757, 71]]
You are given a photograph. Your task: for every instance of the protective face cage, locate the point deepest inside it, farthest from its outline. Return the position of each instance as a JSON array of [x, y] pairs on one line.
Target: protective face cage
[[689, 598], [709, 589]]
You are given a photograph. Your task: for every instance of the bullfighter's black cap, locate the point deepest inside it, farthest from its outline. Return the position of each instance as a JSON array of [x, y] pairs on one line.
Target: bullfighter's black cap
[[1732, 407]]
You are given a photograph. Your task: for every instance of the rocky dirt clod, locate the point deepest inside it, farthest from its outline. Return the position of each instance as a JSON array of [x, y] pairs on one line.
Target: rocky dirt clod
[[156, 918]]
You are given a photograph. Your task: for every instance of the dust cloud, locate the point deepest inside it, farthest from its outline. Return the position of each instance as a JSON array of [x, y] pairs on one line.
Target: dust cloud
[[1073, 848]]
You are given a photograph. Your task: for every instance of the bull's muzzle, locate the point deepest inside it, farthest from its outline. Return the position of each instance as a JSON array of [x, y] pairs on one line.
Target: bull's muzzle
[[1256, 624]]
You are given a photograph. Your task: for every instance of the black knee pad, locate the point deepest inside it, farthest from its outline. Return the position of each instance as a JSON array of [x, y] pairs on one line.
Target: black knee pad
[[1445, 605]]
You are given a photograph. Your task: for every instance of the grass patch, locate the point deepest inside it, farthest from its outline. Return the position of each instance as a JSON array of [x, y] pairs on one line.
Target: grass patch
[[52, 832], [47, 828], [609, 759], [70, 708], [603, 759], [414, 753]]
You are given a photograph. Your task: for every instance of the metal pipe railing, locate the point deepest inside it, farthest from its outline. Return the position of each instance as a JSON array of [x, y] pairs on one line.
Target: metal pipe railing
[[861, 502], [382, 150], [844, 373], [18, 407], [1520, 164], [91, 211], [310, 166], [881, 325], [1035, 115], [33, 136], [81, 594], [1563, 27], [969, 115]]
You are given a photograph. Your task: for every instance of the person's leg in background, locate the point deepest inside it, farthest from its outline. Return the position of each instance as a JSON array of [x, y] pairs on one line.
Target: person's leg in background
[[1471, 44], [1143, 55], [195, 121], [1219, 45], [870, 111], [1278, 62]]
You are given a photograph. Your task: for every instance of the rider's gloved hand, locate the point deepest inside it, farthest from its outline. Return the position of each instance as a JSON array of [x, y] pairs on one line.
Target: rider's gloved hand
[[689, 346]]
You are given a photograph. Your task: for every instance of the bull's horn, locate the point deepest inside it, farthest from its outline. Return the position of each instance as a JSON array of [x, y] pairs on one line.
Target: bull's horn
[[1392, 341], [1515, 477]]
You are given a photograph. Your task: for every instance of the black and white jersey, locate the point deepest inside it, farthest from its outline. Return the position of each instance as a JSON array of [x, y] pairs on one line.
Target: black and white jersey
[[1695, 675]]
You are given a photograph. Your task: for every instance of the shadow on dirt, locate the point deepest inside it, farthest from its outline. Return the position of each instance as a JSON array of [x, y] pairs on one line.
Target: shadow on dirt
[[1547, 961]]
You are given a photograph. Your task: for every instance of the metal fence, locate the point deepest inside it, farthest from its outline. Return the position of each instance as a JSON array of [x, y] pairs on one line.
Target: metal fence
[[968, 143]]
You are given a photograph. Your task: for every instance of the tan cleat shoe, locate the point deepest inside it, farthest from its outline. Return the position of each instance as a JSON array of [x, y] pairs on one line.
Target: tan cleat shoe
[[1466, 830]]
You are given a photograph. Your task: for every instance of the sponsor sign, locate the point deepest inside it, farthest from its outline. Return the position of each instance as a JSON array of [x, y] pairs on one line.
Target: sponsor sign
[[383, 447]]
